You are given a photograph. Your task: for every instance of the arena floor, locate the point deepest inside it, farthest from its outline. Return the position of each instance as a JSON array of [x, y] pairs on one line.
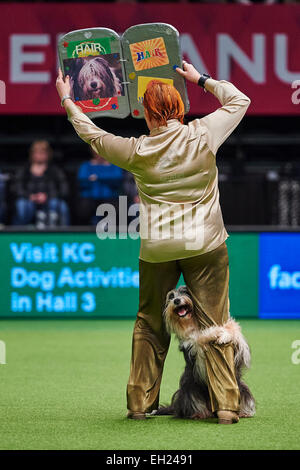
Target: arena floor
[[64, 387]]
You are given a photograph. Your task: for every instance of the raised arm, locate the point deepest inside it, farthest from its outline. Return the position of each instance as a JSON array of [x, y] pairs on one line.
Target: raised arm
[[115, 149], [222, 122]]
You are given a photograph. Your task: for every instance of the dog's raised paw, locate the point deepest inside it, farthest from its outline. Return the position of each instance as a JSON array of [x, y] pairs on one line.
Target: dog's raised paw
[[223, 336]]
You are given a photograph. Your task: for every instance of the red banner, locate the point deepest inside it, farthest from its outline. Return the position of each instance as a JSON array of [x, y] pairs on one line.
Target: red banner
[[255, 47]]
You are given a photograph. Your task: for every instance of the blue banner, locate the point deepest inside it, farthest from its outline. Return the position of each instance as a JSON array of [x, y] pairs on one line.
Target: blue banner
[[279, 275]]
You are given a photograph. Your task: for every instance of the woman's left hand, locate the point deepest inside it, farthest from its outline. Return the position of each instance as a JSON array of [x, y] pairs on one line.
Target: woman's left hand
[[63, 86]]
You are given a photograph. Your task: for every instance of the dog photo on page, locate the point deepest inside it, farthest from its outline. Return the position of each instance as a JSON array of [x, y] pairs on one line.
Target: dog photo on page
[[95, 77]]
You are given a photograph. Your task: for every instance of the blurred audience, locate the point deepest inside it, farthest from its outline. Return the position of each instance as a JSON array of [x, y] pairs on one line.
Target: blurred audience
[[40, 190], [3, 205], [288, 196], [99, 182]]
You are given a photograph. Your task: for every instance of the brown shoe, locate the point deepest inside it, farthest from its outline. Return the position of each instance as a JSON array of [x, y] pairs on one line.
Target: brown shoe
[[136, 415], [227, 417]]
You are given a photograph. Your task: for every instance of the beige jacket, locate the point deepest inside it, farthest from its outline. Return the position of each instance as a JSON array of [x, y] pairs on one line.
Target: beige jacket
[[176, 175]]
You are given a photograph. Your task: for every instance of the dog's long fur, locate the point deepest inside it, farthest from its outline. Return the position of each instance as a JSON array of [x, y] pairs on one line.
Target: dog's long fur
[[93, 78], [192, 398]]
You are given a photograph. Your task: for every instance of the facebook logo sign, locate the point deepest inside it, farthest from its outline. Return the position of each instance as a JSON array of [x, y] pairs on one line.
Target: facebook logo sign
[[279, 275]]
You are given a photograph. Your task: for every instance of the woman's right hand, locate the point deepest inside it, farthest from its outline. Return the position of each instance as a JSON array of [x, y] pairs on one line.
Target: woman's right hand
[[63, 84], [189, 72]]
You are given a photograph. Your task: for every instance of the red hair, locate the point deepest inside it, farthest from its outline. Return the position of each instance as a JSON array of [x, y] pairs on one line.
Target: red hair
[[163, 102]]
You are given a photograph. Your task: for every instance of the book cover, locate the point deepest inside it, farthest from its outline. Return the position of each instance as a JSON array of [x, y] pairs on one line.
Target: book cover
[[109, 73]]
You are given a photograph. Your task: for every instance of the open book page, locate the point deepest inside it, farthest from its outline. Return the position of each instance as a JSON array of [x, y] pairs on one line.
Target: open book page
[[109, 74]]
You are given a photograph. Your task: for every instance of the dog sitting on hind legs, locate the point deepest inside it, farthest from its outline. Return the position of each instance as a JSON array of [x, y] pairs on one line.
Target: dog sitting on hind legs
[[192, 398]]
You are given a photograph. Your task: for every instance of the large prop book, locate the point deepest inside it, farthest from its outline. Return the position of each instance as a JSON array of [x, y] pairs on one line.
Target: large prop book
[[109, 73]]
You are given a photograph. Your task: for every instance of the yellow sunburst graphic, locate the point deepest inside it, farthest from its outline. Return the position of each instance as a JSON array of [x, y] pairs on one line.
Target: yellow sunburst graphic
[[149, 54]]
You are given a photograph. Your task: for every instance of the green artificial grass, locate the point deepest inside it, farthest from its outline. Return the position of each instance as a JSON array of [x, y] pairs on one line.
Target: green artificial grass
[[64, 387]]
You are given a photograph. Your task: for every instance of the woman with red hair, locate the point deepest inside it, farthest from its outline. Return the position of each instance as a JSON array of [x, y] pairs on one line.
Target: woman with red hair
[[181, 228]]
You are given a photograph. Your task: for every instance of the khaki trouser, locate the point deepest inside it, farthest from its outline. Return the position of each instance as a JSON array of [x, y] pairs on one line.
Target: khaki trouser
[[207, 278]]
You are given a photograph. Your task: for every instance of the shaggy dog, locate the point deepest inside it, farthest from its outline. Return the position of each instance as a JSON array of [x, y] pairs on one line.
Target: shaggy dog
[[192, 398], [93, 78]]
